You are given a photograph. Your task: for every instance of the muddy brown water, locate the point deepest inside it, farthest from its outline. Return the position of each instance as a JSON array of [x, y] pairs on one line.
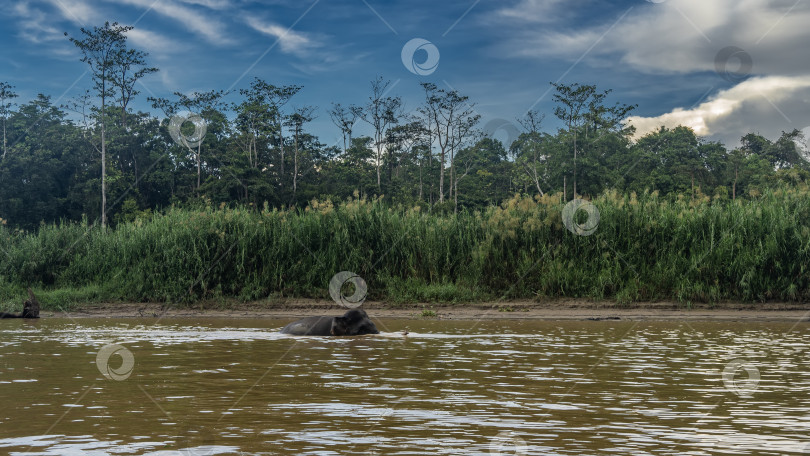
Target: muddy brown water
[[226, 386]]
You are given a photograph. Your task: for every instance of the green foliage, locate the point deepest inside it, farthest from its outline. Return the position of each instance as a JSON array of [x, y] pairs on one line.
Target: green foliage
[[646, 247], [709, 224], [52, 168]]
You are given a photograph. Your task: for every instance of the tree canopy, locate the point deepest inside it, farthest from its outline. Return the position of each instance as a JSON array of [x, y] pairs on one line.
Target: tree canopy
[[256, 149]]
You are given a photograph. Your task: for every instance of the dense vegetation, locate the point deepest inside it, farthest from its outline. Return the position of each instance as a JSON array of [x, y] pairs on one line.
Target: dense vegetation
[[51, 170], [645, 247], [245, 202]]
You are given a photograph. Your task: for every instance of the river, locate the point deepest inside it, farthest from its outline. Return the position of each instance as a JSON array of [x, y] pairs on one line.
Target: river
[[208, 386]]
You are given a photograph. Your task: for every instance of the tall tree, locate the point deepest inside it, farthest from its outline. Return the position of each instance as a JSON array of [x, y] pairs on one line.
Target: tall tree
[[6, 95], [207, 105], [382, 112], [277, 97], [102, 49], [450, 119], [571, 100], [463, 135], [401, 141], [130, 67], [485, 166], [254, 121], [344, 117], [296, 122], [582, 109], [675, 158], [527, 149]]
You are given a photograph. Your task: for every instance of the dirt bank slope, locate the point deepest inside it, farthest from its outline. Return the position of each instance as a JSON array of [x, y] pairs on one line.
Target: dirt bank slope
[[550, 310]]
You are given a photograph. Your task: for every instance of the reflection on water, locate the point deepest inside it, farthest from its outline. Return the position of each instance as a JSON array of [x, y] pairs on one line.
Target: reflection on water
[[209, 387]]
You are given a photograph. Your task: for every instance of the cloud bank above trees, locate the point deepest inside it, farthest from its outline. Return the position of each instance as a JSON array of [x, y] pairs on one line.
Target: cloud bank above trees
[[683, 37]]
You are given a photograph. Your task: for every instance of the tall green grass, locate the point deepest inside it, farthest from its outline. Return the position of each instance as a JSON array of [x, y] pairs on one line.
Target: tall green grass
[[645, 247]]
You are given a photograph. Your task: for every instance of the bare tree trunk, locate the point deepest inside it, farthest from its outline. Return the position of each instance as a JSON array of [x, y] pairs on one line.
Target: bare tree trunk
[[281, 147], [452, 172], [430, 172], [420, 180], [455, 185], [253, 153], [565, 191], [455, 198], [103, 173], [199, 168], [537, 184], [378, 169], [430, 165], [532, 173], [295, 167], [441, 180], [575, 165]]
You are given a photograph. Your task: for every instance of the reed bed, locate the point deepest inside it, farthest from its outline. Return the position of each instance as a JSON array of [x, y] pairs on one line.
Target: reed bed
[[645, 247]]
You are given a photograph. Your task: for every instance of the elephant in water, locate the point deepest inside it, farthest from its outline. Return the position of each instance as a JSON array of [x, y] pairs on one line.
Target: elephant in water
[[355, 322], [30, 308]]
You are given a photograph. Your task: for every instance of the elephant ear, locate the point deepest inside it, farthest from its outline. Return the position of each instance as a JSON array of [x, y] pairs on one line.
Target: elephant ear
[[340, 326]]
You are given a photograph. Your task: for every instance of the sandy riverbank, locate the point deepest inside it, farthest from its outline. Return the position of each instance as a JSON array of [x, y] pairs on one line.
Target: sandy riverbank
[[517, 310]]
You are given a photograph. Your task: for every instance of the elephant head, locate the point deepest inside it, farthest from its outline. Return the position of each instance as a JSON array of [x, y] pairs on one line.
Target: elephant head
[[355, 322]]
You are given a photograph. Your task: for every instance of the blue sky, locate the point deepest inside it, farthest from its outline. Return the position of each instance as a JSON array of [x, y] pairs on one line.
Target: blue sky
[[661, 54]]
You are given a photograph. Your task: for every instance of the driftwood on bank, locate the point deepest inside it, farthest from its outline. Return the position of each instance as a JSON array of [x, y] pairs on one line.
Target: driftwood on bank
[[30, 308]]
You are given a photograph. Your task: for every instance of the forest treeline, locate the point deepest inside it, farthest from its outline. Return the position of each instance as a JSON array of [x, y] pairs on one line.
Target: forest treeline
[[94, 157]]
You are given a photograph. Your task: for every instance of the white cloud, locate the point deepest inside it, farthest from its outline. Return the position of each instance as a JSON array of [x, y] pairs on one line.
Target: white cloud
[[685, 37], [155, 43], [33, 24], [211, 29], [313, 56], [534, 10], [767, 105], [290, 41], [213, 4], [77, 11], [676, 36]]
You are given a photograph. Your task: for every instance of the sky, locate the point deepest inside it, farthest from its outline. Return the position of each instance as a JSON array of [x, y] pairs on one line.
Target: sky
[[723, 67]]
